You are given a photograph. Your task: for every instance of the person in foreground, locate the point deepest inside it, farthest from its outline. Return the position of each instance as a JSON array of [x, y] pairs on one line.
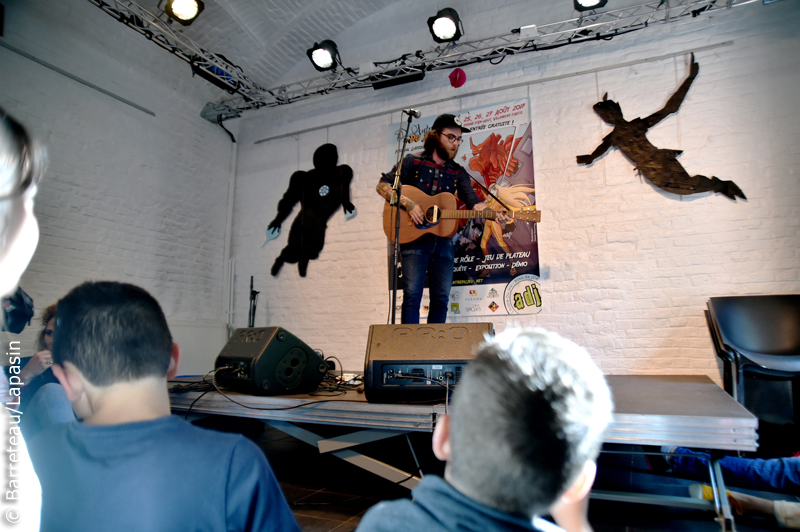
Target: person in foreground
[[22, 164], [129, 464], [42, 398], [524, 429]]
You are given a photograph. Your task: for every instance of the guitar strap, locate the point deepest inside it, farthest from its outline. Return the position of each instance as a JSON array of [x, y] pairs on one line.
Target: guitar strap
[[492, 195]]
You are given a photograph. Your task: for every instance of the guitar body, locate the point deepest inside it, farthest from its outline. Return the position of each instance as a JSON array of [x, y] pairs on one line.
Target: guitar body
[[431, 206]]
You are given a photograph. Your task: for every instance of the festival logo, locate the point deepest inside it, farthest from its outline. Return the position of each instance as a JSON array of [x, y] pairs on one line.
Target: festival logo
[[522, 295]]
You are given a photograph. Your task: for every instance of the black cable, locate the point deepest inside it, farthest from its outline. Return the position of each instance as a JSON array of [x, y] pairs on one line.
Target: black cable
[[447, 398], [186, 417], [226, 396], [219, 123]]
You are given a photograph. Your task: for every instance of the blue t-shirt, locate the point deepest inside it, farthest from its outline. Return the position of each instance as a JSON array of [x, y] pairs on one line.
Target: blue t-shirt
[[161, 475], [439, 507]]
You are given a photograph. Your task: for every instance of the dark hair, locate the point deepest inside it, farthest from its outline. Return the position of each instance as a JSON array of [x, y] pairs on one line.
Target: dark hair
[[431, 140], [528, 414], [112, 332], [48, 314]]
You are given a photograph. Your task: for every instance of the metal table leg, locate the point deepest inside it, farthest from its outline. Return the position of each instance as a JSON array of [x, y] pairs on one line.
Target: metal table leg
[[341, 448], [721, 503]]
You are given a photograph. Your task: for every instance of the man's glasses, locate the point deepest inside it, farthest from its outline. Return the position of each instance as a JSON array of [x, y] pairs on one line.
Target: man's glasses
[[453, 139]]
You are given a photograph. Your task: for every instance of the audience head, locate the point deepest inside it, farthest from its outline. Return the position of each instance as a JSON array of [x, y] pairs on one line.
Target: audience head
[[112, 333], [526, 422], [48, 327], [22, 163]]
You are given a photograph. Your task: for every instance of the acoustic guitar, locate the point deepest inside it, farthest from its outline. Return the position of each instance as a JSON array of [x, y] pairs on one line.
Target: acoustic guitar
[[441, 215]]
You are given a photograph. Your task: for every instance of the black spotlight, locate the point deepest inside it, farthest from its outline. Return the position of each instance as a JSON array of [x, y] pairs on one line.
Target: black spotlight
[[588, 5], [184, 11], [446, 26], [324, 56]]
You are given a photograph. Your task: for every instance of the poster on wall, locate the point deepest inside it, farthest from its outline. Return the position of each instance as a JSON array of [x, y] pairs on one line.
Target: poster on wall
[[496, 270]]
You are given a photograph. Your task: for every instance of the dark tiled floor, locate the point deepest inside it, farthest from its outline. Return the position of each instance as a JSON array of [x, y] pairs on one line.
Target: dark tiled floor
[[327, 494]]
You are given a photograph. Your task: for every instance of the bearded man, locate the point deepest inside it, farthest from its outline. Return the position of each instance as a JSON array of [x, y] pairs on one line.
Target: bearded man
[[433, 172]]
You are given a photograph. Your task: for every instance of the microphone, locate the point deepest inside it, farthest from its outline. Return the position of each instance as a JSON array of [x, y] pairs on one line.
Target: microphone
[[412, 112]]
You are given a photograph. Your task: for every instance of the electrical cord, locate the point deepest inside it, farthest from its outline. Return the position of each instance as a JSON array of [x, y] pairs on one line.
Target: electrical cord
[[447, 394], [226, 396], [332, 385], [186, 417]]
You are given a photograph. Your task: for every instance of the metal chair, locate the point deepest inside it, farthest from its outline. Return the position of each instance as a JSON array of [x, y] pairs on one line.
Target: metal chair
[[756, 334]]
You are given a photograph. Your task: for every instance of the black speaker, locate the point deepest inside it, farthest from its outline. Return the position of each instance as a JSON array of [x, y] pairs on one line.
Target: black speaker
[[268, 361], [414, 362]]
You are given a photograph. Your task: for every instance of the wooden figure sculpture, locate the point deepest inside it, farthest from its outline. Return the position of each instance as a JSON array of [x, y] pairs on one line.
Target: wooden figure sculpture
[[659, 166]]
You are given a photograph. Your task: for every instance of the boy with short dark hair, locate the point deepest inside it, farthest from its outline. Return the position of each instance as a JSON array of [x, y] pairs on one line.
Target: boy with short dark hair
[[130, 465], [524, 429]]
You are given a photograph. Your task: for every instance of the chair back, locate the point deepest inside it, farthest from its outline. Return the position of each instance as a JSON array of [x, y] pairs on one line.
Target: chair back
[[766, 325]]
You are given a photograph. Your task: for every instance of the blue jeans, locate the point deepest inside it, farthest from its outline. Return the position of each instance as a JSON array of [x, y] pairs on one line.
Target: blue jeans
[[434, 256], [777, 474]]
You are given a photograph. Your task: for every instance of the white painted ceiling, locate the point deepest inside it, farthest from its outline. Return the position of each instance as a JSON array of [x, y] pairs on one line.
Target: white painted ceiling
[[266, 38]]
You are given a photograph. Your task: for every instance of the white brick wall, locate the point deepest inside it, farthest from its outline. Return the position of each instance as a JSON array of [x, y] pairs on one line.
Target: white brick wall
[[626, 268], [127, 196]]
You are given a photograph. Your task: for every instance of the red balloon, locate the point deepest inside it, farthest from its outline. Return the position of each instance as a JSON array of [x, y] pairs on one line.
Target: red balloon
[[457, 78]]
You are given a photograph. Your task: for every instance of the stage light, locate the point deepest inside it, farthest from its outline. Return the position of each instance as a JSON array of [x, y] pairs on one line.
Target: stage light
[[446, 26], [588, 5], [324, 56], [184, 11]]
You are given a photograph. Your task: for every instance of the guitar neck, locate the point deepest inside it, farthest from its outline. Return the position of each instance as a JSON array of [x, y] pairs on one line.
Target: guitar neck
[[486, 214]]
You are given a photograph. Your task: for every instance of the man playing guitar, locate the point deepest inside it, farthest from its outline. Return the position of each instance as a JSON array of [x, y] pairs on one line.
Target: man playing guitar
[[432, 172]]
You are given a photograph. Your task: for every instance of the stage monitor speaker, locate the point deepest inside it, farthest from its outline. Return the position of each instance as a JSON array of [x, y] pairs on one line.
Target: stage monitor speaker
[[414, 362], [268, 361]]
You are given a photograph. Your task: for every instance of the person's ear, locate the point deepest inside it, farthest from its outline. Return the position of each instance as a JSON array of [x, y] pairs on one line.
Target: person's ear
[[582, 485], [174, 360], [441, 438], [70, 380], [75, 386]]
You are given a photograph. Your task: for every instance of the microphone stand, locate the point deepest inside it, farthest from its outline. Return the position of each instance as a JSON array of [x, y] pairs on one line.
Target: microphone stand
[[251, 318], [395, 202]]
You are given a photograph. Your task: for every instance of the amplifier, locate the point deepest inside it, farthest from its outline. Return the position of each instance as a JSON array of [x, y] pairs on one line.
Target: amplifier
[[269, 361], [413, 362]]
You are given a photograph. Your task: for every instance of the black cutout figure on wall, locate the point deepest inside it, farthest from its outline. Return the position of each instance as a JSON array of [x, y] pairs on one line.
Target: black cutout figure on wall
[[320, 192], [659, 166]]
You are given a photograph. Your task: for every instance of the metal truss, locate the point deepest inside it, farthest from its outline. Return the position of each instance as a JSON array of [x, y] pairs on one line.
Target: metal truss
[[214, 68], [409, 67]]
